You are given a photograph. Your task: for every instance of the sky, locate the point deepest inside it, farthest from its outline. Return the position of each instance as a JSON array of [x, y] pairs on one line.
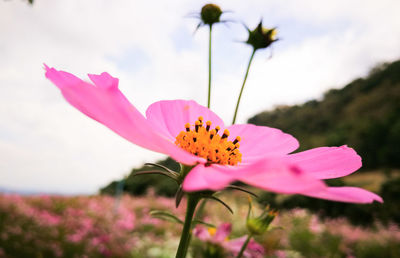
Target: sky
[[46, 146]]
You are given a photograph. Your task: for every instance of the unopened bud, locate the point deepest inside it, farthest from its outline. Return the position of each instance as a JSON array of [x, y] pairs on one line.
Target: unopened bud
[[259, 225], [261, 37], [210, 14]]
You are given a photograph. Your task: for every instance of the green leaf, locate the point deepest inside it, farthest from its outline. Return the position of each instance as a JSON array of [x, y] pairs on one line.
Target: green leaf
[[196, 221], [162, 167], [221, 202], [178, 196], [164, 215], [157, 172], [234, 187]]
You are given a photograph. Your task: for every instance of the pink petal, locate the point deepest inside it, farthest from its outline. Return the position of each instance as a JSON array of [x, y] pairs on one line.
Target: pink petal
[[223, 232], [275, 175], [253, 248], [269, 174], [204, 177], [104, 80], [261, 141], [327, 162], [104, 103], [170, 116], [236, 244], [346, 194], [201, 233]]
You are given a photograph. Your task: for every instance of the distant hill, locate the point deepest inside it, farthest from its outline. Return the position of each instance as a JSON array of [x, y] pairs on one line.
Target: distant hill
[[365, 115]]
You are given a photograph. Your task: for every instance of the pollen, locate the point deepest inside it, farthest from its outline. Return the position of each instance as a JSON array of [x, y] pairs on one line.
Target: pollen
[[203, 141]]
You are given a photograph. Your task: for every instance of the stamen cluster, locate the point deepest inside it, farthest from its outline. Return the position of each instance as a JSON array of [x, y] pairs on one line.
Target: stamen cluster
[[208, 144]]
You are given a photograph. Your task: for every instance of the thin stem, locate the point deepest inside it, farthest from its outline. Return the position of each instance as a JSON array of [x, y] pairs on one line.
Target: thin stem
[[241, 90], [244, 246], [186, 232], [209, 69]]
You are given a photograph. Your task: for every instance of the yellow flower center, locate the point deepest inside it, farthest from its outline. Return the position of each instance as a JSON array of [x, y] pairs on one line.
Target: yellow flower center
[[208, 144], [212, 231]]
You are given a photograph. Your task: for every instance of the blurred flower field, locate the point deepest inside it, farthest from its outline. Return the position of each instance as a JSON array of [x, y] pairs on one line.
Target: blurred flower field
[[102, 226]]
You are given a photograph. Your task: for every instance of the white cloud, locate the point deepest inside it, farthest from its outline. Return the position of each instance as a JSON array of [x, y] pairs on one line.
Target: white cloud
[[47, 145]]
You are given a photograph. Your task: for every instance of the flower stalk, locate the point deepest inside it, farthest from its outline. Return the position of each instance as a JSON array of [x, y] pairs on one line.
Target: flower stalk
[[244, 82], [209, 15], [209, 68], [192, 201], [244, 246]]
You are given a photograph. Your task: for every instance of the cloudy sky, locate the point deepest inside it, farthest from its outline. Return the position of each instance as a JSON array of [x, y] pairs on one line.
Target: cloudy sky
[[47, 146]]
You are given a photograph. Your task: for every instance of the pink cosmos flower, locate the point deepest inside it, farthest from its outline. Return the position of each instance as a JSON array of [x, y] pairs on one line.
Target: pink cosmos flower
[[194, 136], [220, 236]]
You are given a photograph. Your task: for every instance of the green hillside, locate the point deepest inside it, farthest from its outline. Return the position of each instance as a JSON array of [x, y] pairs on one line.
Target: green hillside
[[365, 115]]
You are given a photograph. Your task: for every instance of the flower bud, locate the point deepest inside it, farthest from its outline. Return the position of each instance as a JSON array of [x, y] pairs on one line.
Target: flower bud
[[261, 37], [260, 224], [210, 14]]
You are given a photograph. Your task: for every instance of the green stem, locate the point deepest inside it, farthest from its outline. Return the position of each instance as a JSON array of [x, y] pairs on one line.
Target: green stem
[[241, 90], [186, 232], [244, 246], [209, 69]]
